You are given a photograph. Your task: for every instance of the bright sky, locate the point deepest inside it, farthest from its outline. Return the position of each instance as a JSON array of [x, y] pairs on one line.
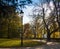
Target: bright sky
[[28, 11]]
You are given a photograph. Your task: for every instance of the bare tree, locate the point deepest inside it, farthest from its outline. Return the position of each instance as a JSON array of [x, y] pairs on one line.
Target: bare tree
[[50, 20]]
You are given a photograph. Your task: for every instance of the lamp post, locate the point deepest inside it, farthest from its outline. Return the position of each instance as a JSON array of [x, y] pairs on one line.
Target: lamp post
[[21, 14]]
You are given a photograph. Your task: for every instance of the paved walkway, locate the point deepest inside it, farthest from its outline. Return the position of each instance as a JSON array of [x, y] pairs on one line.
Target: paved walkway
[[49, 45]]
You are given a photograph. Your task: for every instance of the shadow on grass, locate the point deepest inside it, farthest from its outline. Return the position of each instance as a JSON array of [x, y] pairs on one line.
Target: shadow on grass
[[17, 43]]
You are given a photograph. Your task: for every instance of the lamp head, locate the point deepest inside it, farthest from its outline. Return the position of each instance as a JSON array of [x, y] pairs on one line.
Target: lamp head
[[21, 13]]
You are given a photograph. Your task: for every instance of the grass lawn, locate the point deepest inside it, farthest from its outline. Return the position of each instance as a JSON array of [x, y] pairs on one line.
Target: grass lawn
[[17, 43]]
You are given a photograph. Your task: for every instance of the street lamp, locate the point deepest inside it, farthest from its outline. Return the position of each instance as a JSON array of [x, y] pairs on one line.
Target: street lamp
[[21, 14]]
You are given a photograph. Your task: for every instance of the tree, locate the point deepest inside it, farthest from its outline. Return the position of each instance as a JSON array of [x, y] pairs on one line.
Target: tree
[[9, 17], [27, 31], [56, 4], [49, 20]]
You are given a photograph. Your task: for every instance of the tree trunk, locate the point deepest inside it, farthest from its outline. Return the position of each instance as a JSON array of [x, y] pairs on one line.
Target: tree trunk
[[48, 35], [48, 31]]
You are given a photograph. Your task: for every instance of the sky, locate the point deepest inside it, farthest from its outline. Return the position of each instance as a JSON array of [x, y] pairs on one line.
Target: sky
[[28, 10]]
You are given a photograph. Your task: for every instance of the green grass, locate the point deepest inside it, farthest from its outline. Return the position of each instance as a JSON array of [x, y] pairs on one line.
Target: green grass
[[31, 43], [17, 43], [9, 42]]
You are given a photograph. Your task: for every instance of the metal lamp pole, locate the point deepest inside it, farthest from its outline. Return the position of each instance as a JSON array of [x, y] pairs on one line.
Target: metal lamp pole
[[21, 14]]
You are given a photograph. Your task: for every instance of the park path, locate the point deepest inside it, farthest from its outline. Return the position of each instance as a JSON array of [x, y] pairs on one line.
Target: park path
[[49, 45]]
